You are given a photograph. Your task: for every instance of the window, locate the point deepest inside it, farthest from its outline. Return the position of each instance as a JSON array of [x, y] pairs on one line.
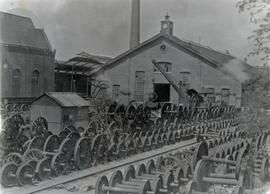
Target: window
[[16, 82], [210, 95], [35, 83], [166, 66], [225, 93], [139, 86], [115, 90], [185, 79]]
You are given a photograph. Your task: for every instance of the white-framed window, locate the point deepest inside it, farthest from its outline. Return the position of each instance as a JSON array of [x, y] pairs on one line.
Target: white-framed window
[[166, 66], [225, 94], [115, 90], [185, 79], [139, 86], [211, 95]]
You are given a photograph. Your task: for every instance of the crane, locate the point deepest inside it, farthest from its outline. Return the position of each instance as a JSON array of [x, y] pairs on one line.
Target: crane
[[178, 88]]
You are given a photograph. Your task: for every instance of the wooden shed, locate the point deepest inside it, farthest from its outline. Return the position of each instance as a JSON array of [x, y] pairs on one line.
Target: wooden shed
[[60, 109]]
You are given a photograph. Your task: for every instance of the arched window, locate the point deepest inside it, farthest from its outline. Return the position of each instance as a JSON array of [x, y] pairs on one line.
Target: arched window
[[16, 82], [35, 83]]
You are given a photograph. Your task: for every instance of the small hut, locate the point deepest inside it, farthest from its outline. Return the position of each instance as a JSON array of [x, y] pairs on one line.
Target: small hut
[[60, 109]]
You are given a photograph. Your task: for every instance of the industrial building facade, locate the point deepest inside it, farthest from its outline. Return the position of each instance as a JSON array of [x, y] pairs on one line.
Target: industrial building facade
[[132, 75]]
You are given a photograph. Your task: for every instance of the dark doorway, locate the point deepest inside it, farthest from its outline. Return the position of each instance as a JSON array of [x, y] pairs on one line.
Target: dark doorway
[[162, 91]]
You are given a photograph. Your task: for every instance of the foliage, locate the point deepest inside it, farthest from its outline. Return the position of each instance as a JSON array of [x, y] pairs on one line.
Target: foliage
[[255, 94], [254, 121], [260, 16], [98, 108], [255, 99]]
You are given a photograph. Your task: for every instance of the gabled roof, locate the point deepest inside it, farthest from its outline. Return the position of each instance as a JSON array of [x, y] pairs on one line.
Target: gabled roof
[[65, 99], [217, 56], [216, 59], [19, 30]]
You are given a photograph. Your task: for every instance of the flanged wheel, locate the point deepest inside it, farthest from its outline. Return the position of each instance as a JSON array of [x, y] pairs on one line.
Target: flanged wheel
[[94, 125], [264, 170], [36, 143], [200, 150], [101, 182], [168, 181], [40, 126], [67, 148], [74, 136], [43, 169], [14, 147], [130, 113], [21, 139], [203, 169], [13, 158], [32, 163], [129, 173], [82, 153], [179, 175], [99, 147], [8, 175], [25, 174], [59, 164], [51, 143], [169, 162], [121, 149], [33, 154], [115, 179]]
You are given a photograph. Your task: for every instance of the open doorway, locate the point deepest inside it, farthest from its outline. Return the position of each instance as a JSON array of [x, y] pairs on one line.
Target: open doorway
[[162, 91]]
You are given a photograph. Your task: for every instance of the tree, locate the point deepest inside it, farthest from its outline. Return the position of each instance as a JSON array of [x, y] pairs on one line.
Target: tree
[[255, 99], [260, 15]]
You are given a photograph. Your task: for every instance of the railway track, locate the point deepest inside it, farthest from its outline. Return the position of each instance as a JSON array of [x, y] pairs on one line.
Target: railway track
[[50, 186]]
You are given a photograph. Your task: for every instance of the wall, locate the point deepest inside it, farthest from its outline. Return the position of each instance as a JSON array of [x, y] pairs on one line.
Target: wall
[[50, 110], [202, 75], [27, 60]]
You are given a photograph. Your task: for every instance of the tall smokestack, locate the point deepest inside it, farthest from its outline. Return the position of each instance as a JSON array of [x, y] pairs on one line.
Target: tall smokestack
[[135, 24]]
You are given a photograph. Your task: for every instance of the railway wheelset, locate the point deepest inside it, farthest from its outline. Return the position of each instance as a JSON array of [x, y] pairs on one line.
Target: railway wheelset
[[145, 115], [17, 135], [194, 171], [45, 156], [15, 108], [166, 174]]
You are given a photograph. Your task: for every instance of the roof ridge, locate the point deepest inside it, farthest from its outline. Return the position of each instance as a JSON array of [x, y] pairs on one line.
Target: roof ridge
[[205, 46], [16, 15], [92, 55]]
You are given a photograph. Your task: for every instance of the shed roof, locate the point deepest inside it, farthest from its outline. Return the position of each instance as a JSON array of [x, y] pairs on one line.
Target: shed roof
[[82, 63], [65, 99]]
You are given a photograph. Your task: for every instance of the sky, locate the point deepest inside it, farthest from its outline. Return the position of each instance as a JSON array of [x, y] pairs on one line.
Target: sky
[[103, 26]]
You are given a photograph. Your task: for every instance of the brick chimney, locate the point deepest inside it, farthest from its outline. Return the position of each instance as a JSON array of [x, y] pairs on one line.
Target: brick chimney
[[135, 24]]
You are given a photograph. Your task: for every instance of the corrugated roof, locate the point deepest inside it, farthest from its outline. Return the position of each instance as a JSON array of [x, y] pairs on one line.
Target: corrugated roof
[[19, 30], [66, 99], [83, 62]]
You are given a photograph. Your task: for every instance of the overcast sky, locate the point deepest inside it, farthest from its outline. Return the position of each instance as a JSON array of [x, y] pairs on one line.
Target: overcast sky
[[102, 26]]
